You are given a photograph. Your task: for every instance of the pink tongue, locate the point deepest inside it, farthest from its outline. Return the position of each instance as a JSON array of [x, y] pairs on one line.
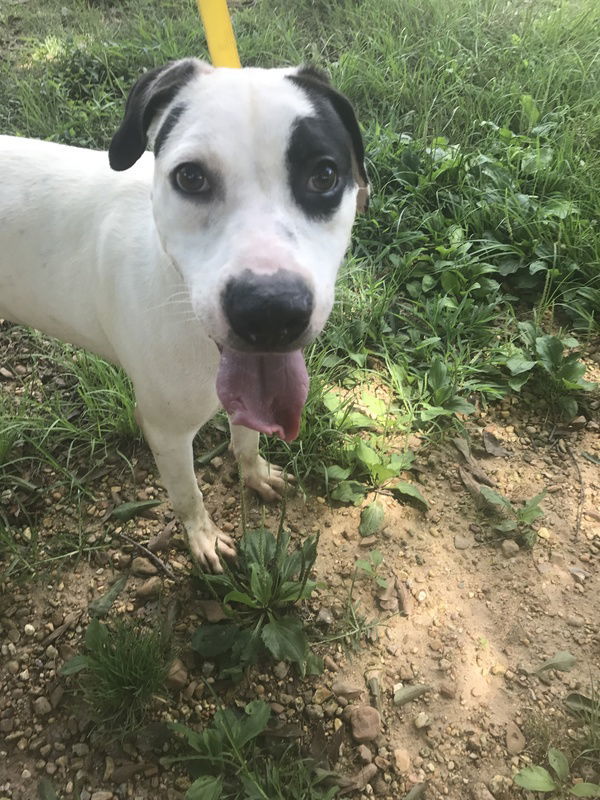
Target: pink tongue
[[264, 392]]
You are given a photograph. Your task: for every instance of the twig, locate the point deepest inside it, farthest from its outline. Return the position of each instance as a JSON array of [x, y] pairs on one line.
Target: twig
[[581, 493], [152, 556]]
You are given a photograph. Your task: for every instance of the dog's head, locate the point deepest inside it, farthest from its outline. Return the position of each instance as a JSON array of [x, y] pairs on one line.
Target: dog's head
[[258, 176]]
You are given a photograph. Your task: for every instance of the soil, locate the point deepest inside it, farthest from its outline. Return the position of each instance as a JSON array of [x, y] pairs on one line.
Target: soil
[[465, 614]]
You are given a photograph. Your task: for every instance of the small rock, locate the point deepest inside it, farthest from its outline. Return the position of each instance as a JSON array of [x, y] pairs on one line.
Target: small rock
[[401, 760], [321, 694], [29, 630], [281, 669], [422, 720], [143, 566], [574, 621], [448, 689], [325, 617], [365, 776], [578, 423], [365, 722], [81, 749], [42, 706], [364, 753], [314, 711], [149, 588], [102, 796], [500, 785], [515, 741], [178, 676], [481, 792], [509, 548], [462, 542], [348, 690]]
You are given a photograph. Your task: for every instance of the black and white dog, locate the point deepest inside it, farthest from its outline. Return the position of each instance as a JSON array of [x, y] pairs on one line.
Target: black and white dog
[[202, 269]]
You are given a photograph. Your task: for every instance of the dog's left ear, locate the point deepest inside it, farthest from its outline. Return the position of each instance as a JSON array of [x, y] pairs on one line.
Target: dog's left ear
[[153, 91], [315, 81]]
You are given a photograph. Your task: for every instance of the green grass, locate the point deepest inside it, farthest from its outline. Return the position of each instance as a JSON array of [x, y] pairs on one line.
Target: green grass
[[123, 667], [481, 125]]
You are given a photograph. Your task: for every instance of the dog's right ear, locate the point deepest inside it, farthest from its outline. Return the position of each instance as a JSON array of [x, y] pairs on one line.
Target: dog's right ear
[[153, 91]]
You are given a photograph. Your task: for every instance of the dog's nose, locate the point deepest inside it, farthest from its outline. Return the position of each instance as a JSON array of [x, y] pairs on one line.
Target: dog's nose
[[268, 312]]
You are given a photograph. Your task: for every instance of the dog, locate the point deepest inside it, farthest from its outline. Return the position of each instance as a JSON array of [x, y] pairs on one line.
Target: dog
[[201, 268]]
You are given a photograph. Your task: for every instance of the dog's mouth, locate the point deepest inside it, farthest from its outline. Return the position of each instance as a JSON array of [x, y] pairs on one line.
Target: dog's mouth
[[265, 392]]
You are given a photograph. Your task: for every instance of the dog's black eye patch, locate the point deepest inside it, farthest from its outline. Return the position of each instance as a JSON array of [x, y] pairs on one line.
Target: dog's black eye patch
[[165, 129], [319, 164]]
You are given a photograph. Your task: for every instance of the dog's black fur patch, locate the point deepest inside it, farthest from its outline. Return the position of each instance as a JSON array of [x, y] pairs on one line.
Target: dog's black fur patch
[[316, 84], [153, 91], [165, 129]]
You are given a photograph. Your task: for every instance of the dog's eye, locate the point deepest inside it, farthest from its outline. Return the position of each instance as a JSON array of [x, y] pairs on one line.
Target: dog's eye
[[324, 178], [190, 179]]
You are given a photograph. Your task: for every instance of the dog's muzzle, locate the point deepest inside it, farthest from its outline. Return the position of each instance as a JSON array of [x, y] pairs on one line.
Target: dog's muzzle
[[268, 312]]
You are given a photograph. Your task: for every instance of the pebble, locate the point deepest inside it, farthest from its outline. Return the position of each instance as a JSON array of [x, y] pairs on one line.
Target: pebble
[[515, 741], [509, 548], [348, 690], [314, 711], [281, 669], [364, 753], [448, 689], [149, 588], [321, 694], [481, 792], [401, 760], [102, 796], [143, 566], [422, 720], [462, 542], [29, 630], [365, 722], [365, 776], [178, 676], [42, 706]]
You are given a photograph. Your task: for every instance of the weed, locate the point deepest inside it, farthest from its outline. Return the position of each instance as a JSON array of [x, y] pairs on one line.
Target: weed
[[559, 781], [259, 594], [123, 667], [230, 761], [517, 520]]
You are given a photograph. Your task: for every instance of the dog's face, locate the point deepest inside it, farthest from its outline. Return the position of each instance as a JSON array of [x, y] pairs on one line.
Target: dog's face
[[255, 190], [258, 176]]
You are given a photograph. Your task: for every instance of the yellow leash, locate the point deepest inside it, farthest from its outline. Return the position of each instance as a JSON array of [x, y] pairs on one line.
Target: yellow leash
[[219, 33]]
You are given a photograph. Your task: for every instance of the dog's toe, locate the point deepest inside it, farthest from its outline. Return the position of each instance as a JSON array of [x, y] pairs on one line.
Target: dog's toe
[[207, 547], [269, 480]]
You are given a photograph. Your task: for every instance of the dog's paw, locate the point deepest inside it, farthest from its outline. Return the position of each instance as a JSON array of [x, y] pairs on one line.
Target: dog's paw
[[269, 480], [207, 543]]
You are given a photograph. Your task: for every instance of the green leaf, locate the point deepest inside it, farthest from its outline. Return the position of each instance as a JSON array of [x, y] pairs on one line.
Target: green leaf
[[404, 489], [581, 704], [236, 596], [585, 790], [255, 722], [562, 661], [530, 109], [518, 364], [337, 473], [46, 790], [261, 583], [558, 762], [285, 638], [495, 498], [366, 455], [550, 350], [371, 519], [437, 377], [460, 406], [536, 779], [258, 547], [100, 606], [207, 787], [215, 639], [75, 665], [349, 492], [96, 636], [127, 511]]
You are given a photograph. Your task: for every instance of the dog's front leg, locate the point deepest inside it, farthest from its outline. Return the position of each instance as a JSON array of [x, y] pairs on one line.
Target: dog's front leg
[[267, 479], [175, 461]]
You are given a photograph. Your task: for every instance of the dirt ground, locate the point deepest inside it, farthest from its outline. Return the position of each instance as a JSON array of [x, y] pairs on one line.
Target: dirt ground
[[476, 618]]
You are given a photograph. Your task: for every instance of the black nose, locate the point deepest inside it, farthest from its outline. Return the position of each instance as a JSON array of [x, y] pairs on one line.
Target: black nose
[[268, 312]]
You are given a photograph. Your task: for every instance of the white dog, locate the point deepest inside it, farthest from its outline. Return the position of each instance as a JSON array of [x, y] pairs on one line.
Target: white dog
[[201, 269]]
